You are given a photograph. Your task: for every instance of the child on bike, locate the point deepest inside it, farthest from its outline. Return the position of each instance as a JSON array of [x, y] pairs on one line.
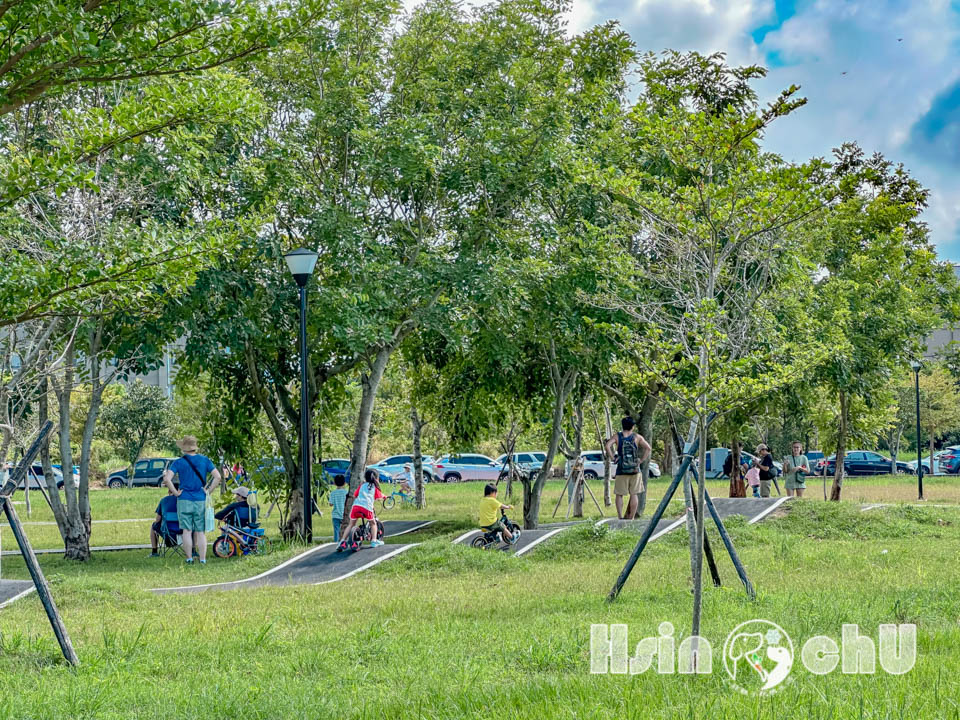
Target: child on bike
[[405, 479], [364, 498], [490, 518]]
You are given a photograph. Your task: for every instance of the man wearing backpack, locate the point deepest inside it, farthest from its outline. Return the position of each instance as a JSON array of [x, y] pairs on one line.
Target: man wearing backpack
[[631, 452]]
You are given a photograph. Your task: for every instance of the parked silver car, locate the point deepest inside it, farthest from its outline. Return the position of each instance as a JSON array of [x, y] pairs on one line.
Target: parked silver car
[[35, 478], [593, 465], [394, 464], [468, 466], [532, 460]]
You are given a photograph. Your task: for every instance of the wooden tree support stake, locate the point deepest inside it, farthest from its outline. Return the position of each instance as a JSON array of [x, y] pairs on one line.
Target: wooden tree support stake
[[39, 581], [658, 514]]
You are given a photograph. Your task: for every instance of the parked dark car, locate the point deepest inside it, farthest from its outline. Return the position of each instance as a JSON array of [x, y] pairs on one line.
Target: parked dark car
[[146, 473], [865, 462], [330, 468], [334, 467]]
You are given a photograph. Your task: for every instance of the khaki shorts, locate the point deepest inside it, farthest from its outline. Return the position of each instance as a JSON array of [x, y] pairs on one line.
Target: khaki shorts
[[628, 484]]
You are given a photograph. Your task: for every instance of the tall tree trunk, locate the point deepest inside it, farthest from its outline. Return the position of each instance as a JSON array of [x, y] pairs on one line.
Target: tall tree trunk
[[74, 529], [533, 487], [601, 442], [370, 383], [841, 448], [607, 467], [417, 425], [931, 441], [737, 488], [645, 427], [667, 455], [894, 445], [577, 497], [292, 525]]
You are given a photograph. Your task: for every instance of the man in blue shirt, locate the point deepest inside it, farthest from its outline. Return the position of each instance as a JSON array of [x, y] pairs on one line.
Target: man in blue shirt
[[192, 469]]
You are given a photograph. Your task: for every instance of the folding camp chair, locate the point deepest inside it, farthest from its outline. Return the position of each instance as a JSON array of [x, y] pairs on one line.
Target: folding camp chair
[[170, 533]]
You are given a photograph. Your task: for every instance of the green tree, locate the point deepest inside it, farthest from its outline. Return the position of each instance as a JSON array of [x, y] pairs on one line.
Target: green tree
[[883, 289], [55, 58], [408, 168], [139, 417], [716, 219], [939, 405]]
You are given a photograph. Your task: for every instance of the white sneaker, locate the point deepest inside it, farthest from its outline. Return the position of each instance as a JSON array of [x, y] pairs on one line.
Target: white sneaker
[[376, 543]]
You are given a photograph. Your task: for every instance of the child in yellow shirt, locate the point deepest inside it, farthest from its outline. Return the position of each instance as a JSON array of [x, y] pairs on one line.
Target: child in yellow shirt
[[490, 518]]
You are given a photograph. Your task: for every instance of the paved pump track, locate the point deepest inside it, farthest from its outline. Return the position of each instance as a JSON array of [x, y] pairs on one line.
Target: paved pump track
[[753, 509], [12, 590], [319, 565], [323, 564], [391, 528], [529, 539], [316, 566]]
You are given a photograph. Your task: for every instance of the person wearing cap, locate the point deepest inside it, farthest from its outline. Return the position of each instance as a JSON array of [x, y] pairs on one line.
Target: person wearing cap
[[405, 479], [237, 513], [764, 463], [192, 469]]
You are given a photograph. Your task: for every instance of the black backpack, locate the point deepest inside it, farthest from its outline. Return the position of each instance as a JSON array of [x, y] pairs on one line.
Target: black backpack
[[629, 462]]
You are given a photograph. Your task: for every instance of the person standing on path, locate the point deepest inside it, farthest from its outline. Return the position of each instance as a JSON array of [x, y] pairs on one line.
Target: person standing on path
[[632, 451], [764, 463], [795, 469], [192, 469]]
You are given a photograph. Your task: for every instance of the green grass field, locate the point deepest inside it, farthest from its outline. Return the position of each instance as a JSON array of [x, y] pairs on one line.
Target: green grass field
[[445, 631]]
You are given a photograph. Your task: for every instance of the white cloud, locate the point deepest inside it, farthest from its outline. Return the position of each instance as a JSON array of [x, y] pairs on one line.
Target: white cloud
[[863, 82], [869, 68]]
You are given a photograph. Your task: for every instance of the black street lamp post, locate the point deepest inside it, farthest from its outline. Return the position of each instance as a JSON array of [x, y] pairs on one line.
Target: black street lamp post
[[301, 263], [915, 364]]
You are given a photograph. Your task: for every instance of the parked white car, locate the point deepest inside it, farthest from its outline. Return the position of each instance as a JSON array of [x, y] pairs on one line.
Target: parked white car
[[531, 460], [593, 465], [468, 466], [717, 456], [394, 464]]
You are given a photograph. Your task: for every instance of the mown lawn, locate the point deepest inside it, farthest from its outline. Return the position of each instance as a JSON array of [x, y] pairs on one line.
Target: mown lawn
[[449, 632]]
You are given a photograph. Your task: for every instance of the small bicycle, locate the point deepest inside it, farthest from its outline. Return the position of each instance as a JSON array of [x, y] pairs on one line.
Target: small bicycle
[[362, 532], [235, 541], [405, 498], [494, 538]]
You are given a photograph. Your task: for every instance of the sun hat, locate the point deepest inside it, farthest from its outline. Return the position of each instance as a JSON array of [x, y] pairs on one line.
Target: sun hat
[[187, 443]]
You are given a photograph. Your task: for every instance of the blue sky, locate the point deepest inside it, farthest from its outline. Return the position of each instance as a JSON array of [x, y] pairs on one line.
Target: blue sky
[[886, 74]]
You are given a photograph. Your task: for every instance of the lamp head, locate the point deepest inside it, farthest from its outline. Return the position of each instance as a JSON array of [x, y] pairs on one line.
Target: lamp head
[[915, 364], [301, 263]]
